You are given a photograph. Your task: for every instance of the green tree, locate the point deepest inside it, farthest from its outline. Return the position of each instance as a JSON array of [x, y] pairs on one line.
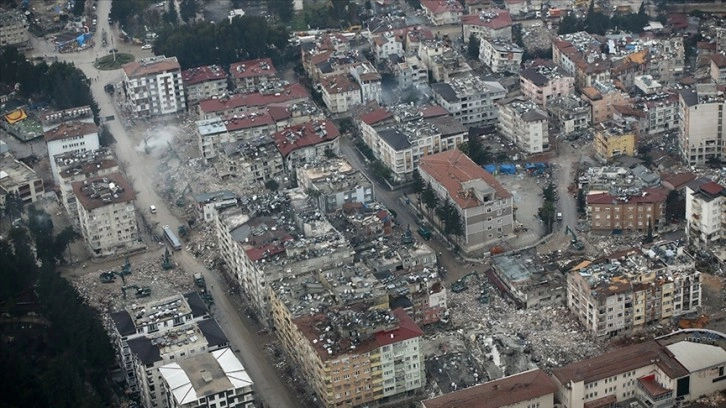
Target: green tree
[[418, 184], [171, 16], [79, 6], [547, 214], [569, 24], [675, 206], [473, 47], [429, 198], [188, 10], [283, 9], [649, 235], [272, 185], [550, 193], [13, 206], [517, 36], [581, 202]]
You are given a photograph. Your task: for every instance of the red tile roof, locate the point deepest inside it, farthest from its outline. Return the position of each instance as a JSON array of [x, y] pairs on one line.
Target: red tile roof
[[83, 190], [274, 248], [375, 116], [70, 129], [442, 6], [248, 121], [407, 330], [339, 84], [712, 188], [279, 113], [719, 60], [678, 180], [305, 134], [652, 195], [501, 19], [199, 75], [291, 92], [253, 68], [452, 168], [433, 111], [498, 393], [150, 67]]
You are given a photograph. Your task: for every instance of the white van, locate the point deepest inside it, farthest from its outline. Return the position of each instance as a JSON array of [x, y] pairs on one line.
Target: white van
[[559, 216], [152, 209]]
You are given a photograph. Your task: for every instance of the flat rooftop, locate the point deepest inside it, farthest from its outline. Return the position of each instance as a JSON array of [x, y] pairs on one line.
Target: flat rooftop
[[14, 172], [100, 191]]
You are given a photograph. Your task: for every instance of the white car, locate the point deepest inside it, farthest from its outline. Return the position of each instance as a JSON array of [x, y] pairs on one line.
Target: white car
[[146, 47]]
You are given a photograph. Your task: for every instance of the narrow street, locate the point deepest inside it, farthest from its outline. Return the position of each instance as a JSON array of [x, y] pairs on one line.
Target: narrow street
[[141, 169]]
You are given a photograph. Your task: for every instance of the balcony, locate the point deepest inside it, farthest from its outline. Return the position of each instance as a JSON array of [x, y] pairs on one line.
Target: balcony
[[654, 394]]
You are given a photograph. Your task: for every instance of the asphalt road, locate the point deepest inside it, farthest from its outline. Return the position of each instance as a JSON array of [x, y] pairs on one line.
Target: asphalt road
[[140, 170]]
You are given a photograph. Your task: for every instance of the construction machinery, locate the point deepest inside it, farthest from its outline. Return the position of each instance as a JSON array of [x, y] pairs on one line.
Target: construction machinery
[[462, 283], [110, 276], [141, 291], [199, 280], [165, 261], [576, 243]]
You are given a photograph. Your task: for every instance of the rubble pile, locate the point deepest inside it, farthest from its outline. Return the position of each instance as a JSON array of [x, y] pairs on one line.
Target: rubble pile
[[108, 297]]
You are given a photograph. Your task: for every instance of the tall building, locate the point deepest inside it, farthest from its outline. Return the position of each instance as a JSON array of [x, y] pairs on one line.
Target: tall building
[[470, 99], [701, 120], [500, 55], [569, 114], [705, 213], [13, 28], [602, 98], [545, 82], [524, 124], [216, 379], [154, 87], [106, 213], [204, 82], [492, 23], [634, 290], [483, 204], [70, 137]]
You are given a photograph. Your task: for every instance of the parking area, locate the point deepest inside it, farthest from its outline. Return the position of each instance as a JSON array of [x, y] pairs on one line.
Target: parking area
[[526, 192]]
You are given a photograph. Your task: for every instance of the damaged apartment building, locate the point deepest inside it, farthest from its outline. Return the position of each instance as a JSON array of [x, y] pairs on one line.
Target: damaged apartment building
[[529, 283], [274, 236], [333, 182], [630, 290]]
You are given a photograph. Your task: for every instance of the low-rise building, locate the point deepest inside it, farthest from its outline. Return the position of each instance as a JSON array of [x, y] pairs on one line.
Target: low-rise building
[[17, 178], [70, 137], [705, 213], [525, 124], [542, 83], [249, 75], [534, 388], [683, 366], [569, 114], [469, 99], [79, 166], [307, 142], [53, 119], [483, 204], [387, 44], [106, 214], [718, 68], [614, 139], [490, 23], [217, 378], [410, 71], [443, 12], [527, 282], [153, 87], [335, 182], [700, 119], [369, 81], [659, 113], [602, 98], [500, 55], [634, 289], [13, 28], [209, 203], [627, 209], [204, 82], [275, 94], [340, 93]]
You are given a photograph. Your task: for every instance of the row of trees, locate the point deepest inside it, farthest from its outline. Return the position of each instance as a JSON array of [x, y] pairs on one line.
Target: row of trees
[[64, 85], [450, 221], [66, 366], [597, 22], [547, 212], [205, 43]]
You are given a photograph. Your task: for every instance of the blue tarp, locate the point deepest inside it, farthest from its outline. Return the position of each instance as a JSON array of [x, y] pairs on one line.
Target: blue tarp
[[490, 168], [507, 169], [81, 39]]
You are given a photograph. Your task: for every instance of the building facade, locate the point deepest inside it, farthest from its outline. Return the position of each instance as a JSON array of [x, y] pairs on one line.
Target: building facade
[[492, 23], [204, 82], [17, 178], [442, 12], [614, 139], [627, 210], [705, 213], [525, 125], [569, 114], [483, 204], [340, 93], [154, 87], [500, 55], [469, 99], [542, 83], [70, 137], [249, 75], [701, 120], [337, 183], [13, 28]]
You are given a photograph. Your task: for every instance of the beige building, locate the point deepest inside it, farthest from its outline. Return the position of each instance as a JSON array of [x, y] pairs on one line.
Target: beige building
[[614, 139], [534, 388], [483, 204], [16, 177], [705, 213], [500, 55], [718, 68], [491, 23], [633, 290], [627, 211], [602, 98], [524, 124], [542, 83], [569, 113], [249, 75], [204, 82], [209, 379], [700, 117], [336, 182], [107, 214], [13, 28], [154, 87], [442, 12], [340, 93]]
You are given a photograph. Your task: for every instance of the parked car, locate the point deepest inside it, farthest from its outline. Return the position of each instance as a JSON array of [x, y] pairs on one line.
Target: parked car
[[146, 47], [112, 50]]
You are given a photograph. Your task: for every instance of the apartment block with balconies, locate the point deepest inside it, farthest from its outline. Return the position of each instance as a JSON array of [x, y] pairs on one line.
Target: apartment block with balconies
[[705, 213]]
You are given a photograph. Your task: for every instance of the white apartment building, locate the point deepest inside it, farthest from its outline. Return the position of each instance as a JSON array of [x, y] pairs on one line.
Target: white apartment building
[[402, 363], [386, 44], [569, 113], [701, 120], [211, 134], [500, 55], [469, 99], [705, 213], [79, 166], [216, 379], [483, 204], [154, 87], [661, 113], [525, 124], [13, 28], [369, 81], [411, 71], [443, 12], [70, 137], [718, 68], [53, 119], [542, 83], [492, 23], [106, 214], [204, 82], [340, 93]]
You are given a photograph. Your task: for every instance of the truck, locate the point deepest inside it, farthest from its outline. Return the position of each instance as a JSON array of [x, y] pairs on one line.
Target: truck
[[199, 280], [424, 232], [171, 237]]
